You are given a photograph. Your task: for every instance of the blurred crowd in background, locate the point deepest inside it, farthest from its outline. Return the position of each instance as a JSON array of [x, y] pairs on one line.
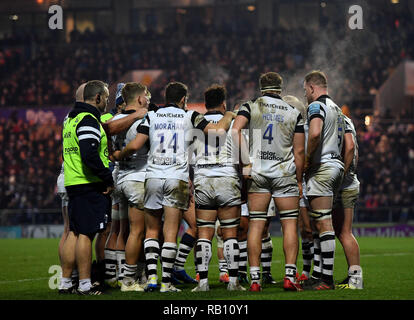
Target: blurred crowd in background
[[39, 72]]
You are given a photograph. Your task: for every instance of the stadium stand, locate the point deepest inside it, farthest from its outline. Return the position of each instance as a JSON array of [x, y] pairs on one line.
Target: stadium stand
[[38, 72]]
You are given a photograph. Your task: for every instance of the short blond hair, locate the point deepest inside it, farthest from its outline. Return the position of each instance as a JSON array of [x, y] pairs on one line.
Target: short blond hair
[[131, 90], [317, 78]]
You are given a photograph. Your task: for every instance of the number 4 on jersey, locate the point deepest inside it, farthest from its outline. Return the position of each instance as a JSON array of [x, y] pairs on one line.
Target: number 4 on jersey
[[268, 133]]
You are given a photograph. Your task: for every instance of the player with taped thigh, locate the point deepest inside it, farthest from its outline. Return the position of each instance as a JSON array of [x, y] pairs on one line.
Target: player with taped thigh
[[169, 133], [344, 210], [276, 172], [324, 167]]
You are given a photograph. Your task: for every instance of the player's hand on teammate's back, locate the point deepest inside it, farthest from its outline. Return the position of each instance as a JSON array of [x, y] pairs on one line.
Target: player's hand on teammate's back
[[109, 190], [140, 113], [247, 172], [115, 156], [233, 114]]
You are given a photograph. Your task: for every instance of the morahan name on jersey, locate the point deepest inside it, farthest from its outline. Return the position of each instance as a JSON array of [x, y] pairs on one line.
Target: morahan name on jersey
[[170, 131]]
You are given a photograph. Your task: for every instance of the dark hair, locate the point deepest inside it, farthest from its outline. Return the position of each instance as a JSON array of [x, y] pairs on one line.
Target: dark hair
[[317, 78], [214, 96], [93, 88], [270, 81], [175, 91], [131, 90]]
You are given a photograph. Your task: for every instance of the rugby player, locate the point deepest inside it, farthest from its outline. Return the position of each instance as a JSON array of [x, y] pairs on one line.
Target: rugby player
[[130, 184], [217, 193], [303, 220], [110, 252], [167, 175], [324, 168], [276, 172], [344, 209]]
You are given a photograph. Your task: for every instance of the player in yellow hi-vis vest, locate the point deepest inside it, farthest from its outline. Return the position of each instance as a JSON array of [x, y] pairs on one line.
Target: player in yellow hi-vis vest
[[88, 182]]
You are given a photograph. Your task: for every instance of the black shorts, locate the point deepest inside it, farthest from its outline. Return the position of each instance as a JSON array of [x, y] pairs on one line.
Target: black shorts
[[89, 210]]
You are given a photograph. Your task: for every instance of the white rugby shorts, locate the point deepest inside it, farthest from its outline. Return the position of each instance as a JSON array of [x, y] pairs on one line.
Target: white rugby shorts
[[324, 180], [133, 192], [172, 193], [62, 190], [216, 192], [278, 187]]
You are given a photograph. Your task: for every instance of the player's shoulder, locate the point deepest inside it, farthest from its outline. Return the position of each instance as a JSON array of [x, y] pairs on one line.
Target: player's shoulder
[[247, 105], [348, 120], [119, 116], [316, 107], [149, 115], [349, 125]]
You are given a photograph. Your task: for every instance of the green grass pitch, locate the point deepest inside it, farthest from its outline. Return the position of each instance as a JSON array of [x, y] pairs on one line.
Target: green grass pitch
[[388, 266]]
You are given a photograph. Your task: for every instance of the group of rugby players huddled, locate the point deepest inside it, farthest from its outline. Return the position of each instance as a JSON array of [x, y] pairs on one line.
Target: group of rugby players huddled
[[219, 172]]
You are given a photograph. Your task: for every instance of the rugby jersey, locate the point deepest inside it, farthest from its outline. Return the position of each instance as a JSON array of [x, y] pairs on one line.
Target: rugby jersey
[[134, 167], [213, 154], [170, 132], [272, 125], [332, 135]]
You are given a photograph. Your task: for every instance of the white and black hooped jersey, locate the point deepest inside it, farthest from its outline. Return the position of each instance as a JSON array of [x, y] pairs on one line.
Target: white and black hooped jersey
[[134, 167], [213, 154], [170, 131], [272, 125], [333, 130]]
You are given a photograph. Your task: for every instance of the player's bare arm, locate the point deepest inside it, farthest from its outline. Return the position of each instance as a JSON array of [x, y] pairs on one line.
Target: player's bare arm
[[223, 125], [349, 149], [113, 127], [299, 155], [131, 147], [314, 138], [240, 142]]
